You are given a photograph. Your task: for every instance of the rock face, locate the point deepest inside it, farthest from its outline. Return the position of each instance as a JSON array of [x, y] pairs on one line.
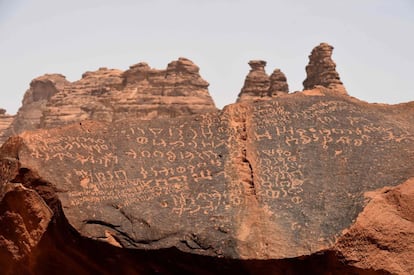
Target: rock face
[[5, 122], [278, 83], [380, 245], [269, 186], [259, 86], [321, 70], [41, 90], [110, 95], [25, 218]]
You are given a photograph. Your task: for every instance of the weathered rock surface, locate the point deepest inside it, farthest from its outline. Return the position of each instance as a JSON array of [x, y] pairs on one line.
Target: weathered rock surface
[[259, 86], [275, 186], [384, 232], [5, 122], [110, 95], [321, 70], [24, 219], [35, 99], [278, 83]]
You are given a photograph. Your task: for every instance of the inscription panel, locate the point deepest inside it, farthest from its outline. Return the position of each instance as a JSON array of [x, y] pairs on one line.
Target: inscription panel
[[312, 157], [154, 171], [296, 167]]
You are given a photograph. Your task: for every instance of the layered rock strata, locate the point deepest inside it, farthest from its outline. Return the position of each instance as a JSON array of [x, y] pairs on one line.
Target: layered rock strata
[[259, 86], [110, 95], [5, 122], [278, 185], [278, 83], [321, 70], [41, 90]]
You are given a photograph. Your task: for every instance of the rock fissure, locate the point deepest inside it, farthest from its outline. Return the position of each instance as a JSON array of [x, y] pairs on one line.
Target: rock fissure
[[238, 116]]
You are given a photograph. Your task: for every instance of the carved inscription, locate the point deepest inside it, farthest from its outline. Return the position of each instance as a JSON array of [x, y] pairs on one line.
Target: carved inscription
[[287, 138], [280, 175], [173, 167]]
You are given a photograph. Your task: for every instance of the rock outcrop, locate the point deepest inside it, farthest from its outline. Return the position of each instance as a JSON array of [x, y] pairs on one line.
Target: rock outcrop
[[153, 179], [383, 231], [321, 70], [24, 220], [5, 122], [278, 83], [110, 95], [268, 186], [41, 90], [259, 86]]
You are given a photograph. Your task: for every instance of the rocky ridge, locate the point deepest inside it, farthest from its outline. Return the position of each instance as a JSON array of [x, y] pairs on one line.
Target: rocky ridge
[[110, 95]]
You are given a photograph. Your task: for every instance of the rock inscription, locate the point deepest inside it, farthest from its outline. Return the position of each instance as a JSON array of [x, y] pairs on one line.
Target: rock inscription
[[295, 166]]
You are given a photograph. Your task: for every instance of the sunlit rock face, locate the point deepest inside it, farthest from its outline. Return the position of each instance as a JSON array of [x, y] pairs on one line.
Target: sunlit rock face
[[109, 95], [313, 182], [321, 70], [259, 86], [5, 122]]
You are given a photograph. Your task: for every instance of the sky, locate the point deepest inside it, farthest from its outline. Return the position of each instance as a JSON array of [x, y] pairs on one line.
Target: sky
[[373, 40]]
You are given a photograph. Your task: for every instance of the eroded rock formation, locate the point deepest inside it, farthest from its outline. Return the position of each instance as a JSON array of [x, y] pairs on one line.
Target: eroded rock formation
[[24, 219], [321, 70], [5, 122], [110, 95], [41, 90], [259, 181], [278, 83], [383, 232], [314, 182], [259, 86]]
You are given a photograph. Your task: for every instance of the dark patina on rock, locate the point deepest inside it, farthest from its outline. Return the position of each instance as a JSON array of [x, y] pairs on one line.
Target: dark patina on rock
[[266, 180]]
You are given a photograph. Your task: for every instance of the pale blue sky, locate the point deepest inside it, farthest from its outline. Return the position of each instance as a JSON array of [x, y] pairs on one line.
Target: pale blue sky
[[373, 40]]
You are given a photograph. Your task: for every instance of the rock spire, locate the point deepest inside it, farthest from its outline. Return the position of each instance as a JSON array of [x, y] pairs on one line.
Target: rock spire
[[321, 70], [258, 85]]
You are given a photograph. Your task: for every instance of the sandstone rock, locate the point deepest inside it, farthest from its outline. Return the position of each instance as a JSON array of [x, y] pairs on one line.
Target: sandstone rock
[[88, 98], [24, 218], [275, 185], [259, 86], [111, 95], [5, 122], [41, 90], [257, 82], [383, 234], [141, 92], [321, 70], [278, 83]]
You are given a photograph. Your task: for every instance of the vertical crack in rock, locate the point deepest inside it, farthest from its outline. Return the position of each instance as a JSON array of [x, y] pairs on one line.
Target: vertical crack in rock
[[251, 180], [242, 161]]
